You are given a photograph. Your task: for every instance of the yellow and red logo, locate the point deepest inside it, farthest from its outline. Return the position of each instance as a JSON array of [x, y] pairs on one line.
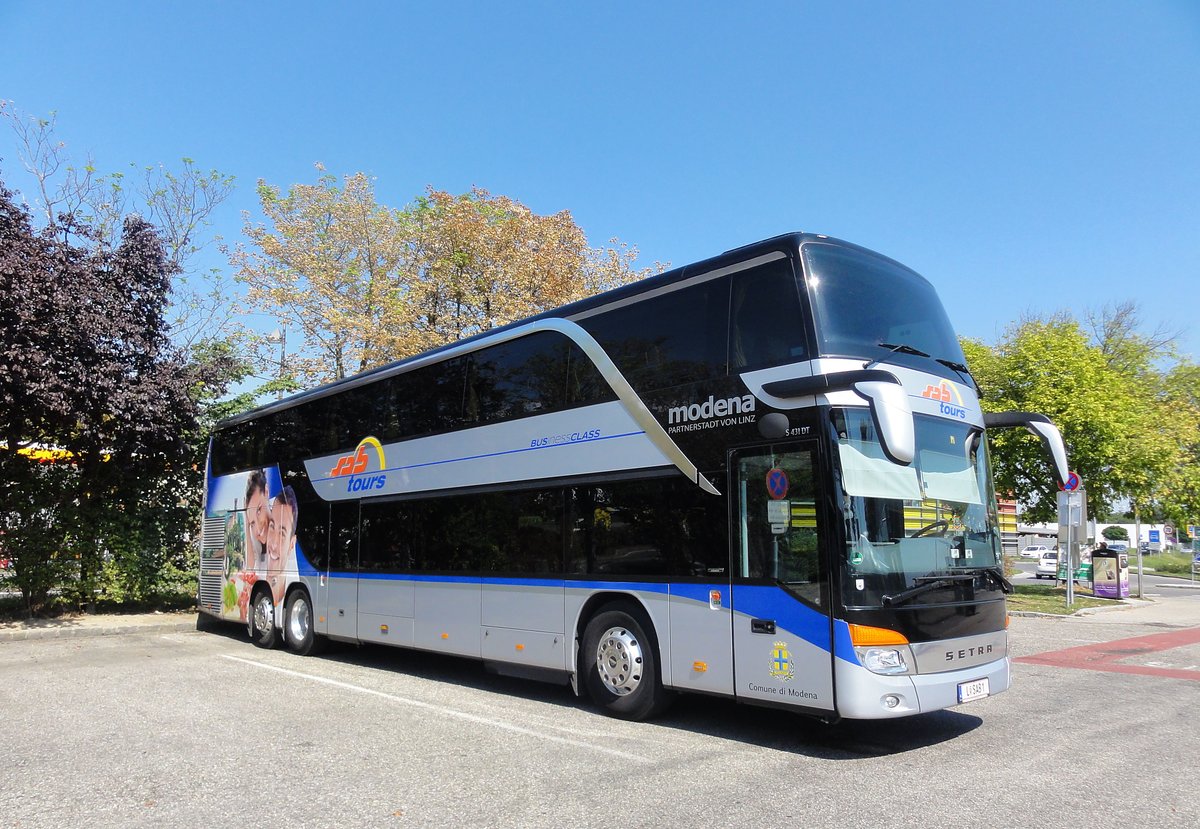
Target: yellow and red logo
[[356, 462], [941, 393], [946, 395]]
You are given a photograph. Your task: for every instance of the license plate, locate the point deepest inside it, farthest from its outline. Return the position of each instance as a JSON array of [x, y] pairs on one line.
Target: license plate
[[975, 689]]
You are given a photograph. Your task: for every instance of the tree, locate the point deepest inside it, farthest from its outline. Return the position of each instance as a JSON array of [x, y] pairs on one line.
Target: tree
[[368, 284], [331, 264], [479, 261], [1105, 397], [1115, 533], [180, 204], [86, 367], [1180, 486]]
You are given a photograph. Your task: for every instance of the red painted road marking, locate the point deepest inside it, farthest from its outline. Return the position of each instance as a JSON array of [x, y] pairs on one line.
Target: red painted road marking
[[1105, 656]]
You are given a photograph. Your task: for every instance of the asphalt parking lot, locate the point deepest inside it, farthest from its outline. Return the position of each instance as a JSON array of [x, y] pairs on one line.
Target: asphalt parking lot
[[170, 727]]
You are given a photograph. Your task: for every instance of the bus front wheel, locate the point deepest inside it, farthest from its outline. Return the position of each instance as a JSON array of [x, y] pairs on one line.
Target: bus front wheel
[[261, 620], [298, 631], [621, 666]]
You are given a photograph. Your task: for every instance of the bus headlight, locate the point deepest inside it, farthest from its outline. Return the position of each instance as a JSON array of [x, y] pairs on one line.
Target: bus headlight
[[881, 650], [886, 661]]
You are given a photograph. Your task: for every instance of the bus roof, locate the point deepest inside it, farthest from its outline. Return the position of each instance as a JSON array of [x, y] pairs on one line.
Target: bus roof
[[784, 242]]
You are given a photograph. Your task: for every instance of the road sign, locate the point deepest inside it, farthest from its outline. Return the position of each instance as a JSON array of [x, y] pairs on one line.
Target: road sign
[[1070, 509], [1154, 536], [1072, 483], [777, 483]]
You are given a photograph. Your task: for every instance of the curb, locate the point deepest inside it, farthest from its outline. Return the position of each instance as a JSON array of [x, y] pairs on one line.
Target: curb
[[1126, 604], [21, 634]]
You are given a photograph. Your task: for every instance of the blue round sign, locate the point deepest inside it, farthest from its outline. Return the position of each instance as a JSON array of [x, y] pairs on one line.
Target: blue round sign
[[1072, 483]]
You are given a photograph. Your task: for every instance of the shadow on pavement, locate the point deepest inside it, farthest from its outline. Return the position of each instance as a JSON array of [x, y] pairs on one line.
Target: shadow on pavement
[[716, 717]]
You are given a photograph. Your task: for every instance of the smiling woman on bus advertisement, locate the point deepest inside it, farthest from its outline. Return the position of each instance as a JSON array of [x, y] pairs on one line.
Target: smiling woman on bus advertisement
[[281, 540], [257, 509]]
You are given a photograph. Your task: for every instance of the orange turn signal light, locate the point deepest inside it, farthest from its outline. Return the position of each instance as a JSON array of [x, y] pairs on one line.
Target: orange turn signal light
[[864, 636]]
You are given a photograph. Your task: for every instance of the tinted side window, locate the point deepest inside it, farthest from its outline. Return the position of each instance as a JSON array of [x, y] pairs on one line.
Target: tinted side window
[[312, 527], [431, 399], [343, 536], [525, 530], [648, 528], [238, 447], [501, 532], [517, 378], [766, 325], [668, 340], [386, 537], [585, 384]]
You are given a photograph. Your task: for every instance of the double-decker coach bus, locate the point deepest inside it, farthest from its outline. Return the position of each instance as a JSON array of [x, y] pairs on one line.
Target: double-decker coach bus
[[762, 476]]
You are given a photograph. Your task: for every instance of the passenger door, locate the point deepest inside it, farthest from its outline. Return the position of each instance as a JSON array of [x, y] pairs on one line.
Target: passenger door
[[782, 633]]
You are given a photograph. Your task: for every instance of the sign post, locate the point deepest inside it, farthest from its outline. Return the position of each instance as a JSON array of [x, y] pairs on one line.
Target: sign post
[[1072, 515]]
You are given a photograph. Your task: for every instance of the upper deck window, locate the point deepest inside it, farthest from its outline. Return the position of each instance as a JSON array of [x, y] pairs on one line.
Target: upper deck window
[[861, 300], [766, 326]]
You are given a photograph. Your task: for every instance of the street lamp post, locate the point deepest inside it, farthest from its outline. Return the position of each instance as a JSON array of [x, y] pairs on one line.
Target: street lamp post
[[279, 335]]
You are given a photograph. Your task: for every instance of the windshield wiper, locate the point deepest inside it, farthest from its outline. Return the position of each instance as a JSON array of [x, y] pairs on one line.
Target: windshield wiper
[[892, 348], [923, 585], [903, 348], [960, 368]]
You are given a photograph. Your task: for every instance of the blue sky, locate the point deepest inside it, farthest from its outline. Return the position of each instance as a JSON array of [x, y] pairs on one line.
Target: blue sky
[[1026, 157]]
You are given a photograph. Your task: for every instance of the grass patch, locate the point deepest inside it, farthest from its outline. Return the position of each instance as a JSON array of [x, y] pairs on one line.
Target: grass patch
[[1174, 564], [1046, 599]]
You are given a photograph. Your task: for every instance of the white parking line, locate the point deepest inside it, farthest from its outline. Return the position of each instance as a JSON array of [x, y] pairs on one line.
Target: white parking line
[[448, 712]]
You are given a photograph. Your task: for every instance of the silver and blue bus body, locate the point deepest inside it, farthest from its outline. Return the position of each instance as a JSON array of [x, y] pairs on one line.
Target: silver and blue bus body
[[764, 476]]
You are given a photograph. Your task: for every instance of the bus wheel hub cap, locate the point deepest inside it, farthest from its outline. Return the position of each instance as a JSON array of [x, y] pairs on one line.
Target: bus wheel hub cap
[[619, 660]]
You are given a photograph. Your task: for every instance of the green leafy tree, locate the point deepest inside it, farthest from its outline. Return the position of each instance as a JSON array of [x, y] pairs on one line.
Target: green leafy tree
[[1105, 396], [1179, 490]]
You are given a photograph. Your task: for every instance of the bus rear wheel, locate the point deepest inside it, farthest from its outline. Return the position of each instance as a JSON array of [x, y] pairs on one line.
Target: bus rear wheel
[[620, 665], [298, 633], [260, 622]]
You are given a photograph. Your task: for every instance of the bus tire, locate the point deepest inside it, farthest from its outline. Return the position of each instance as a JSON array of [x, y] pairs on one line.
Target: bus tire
[[260, 621], [298, 633], [620, 665]]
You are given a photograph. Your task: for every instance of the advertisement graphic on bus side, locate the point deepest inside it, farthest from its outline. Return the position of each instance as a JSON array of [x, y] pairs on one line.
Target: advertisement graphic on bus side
[[259, 515]]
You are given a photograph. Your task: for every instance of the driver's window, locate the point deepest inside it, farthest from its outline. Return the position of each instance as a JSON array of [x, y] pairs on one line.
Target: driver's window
[[778, 519]]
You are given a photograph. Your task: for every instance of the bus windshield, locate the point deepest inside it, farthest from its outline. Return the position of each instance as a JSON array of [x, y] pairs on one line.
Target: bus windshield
[[909, 524], [862, 301]]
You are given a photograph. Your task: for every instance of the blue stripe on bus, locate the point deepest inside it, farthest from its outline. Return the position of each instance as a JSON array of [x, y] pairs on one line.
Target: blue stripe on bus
[[513, 581], [841, 639], [788, 613], [480, 457], [757, 602]]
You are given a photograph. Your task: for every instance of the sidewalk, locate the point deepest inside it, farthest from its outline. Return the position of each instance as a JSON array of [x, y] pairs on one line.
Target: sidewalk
[[1165, 606], [68, 627]]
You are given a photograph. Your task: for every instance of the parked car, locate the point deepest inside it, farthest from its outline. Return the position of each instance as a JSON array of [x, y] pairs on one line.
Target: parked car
[[1034, 551], [1118, 546], [1047, 567]]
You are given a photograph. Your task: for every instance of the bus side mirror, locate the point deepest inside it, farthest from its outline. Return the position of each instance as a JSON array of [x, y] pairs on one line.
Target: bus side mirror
[[1039, 425], [890, 411], [893, 419]]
